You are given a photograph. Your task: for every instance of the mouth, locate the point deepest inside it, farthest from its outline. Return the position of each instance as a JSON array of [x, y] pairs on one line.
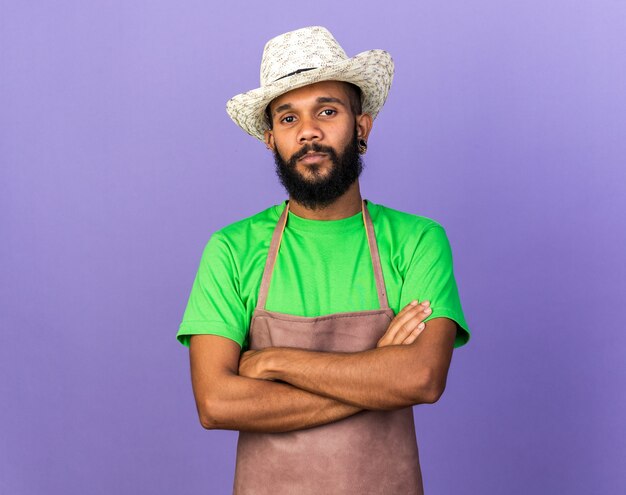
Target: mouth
[[312, 157]]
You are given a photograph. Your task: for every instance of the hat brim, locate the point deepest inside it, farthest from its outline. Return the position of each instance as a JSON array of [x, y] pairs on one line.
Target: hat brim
[[372, 71]]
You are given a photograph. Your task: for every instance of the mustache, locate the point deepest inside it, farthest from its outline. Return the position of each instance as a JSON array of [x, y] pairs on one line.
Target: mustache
[[315, 147]]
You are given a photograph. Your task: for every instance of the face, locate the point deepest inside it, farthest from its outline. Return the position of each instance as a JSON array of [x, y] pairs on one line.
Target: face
[[314, 140]]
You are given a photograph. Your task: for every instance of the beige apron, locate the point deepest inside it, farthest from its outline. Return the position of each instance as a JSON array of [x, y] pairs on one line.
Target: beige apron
[[371, 452]]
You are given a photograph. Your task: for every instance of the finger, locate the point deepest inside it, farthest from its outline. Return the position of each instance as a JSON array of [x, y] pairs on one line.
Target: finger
[[411, 306], [393, 326], [410, 312], [406, 314], [415, 333], [418, 312], [409, 328], [399, 327]]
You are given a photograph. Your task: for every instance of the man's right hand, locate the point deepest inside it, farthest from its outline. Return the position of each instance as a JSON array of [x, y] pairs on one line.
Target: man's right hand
[[407, 325]]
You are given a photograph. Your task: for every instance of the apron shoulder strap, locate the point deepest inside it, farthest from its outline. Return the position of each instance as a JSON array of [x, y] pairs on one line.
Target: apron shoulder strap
[[271, 257], [378, 271]]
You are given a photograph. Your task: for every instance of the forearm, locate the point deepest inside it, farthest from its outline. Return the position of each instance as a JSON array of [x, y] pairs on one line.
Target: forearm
[[381, 378], [248, 404], [388, 377]]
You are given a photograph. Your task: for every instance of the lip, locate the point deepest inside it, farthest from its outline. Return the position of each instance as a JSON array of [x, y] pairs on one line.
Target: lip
[[312, 157]]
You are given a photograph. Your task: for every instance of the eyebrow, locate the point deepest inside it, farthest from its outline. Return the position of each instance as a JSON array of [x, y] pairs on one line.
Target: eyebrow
[[321, 99], [330, 99]]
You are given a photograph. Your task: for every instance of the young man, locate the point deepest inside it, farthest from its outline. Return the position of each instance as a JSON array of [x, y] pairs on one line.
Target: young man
[[305, 328]]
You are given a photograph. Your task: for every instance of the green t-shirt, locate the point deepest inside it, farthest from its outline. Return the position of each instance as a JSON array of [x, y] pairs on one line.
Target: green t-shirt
[[323, 267]]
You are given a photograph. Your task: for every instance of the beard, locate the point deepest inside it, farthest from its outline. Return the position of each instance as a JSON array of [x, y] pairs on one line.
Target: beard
[[319, 192]]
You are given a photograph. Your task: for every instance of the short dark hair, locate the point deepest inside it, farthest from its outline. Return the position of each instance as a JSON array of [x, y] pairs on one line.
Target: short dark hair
[[354, 94]]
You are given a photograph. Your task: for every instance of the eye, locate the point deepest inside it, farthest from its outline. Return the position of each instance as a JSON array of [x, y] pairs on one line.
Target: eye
[[288, 119], [328, 112]]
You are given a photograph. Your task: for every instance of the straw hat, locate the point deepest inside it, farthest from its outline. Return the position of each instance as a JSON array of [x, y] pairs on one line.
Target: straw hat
[[307, 56]]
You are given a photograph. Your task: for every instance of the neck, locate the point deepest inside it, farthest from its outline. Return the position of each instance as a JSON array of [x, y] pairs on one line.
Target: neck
[[346, 205]]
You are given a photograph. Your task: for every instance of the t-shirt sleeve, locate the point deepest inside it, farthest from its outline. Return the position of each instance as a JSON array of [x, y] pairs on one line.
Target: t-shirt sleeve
[[430, 276], [215, 306]]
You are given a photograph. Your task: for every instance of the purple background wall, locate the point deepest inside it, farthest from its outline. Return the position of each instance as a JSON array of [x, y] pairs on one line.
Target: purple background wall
[[505, 123]]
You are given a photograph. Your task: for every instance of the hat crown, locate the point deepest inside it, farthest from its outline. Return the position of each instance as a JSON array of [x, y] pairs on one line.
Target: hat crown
[[307, 48]]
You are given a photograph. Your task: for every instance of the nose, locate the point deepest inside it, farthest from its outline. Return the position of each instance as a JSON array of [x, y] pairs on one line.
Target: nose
[[309, 131]]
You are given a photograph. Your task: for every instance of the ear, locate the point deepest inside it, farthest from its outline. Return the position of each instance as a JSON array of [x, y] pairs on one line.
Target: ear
[[268, 137], [364, 125]]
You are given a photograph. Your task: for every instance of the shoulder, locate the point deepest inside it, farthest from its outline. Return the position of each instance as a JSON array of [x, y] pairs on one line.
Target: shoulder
[[405, 239], [403, 225], [238, 244], [250, 229]]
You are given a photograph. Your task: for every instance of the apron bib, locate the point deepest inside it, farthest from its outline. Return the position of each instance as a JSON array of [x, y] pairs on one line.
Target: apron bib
[[371, 452]]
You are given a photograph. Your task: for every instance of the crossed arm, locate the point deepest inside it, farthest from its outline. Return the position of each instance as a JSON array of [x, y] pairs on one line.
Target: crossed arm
[[319, 387], [387, 377]]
